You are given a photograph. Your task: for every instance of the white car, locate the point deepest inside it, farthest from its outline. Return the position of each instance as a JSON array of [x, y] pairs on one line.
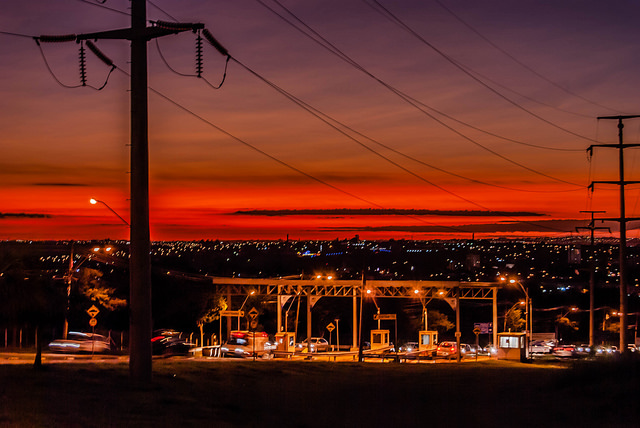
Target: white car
[[77, 342], [318, 344]]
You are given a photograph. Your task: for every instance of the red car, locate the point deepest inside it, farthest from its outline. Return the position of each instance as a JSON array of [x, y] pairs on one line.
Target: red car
[[447, 350]]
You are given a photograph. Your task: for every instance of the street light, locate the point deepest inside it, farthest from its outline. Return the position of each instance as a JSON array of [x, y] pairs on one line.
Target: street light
[[96, 201], [528, 307]]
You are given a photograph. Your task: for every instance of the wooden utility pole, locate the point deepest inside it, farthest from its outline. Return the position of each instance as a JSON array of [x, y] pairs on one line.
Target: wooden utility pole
[[592, 273], [622, 220], [140, 321]]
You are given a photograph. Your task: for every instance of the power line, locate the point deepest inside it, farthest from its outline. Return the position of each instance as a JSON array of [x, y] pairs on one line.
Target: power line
[[102, 6], [337, 52], [517, 61], [277, 160], [393, 18], [325, 118]]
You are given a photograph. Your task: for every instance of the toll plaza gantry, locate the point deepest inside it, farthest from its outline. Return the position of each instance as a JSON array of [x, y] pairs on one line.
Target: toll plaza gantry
[[313, 289]]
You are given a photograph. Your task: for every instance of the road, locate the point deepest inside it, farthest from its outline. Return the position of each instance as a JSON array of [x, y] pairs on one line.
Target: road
[[26, 357]]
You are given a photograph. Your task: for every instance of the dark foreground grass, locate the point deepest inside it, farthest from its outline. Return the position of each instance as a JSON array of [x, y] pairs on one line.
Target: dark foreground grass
[[232, 393]]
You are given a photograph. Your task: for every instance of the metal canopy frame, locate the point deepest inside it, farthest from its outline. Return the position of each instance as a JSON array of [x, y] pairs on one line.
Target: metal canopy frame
[[451, 291], [349, 288]]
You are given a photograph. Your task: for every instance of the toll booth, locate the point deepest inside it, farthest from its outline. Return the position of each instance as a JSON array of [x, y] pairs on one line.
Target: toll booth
[[286, 341], [512, 346], [379, 339], [428, 341]]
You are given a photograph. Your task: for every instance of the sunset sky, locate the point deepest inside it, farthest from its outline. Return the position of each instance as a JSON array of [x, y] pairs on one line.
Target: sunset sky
[[458, 105]]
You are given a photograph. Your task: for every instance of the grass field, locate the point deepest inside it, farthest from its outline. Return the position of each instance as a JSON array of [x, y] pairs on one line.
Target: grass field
[[232, 393]]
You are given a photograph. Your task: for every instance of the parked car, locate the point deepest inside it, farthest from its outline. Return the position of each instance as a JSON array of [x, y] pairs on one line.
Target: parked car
[[541, 347], [409, 347], [565, 351], [583, 350], [447, 350], [169, 342], [318, 344], [490, 350], [78, 342], [247, 344], [466, 351], [475, 350]]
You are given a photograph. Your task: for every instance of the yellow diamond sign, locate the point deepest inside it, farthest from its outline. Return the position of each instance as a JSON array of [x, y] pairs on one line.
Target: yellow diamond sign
[[93, 311]]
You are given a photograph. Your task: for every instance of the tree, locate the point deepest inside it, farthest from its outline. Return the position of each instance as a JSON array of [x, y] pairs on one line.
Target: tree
[[565, 324], [210, 312], [513, 320], [92, 287], [436, 320]]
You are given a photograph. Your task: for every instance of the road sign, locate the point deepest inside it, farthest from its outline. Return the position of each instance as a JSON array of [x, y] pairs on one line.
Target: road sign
[[485, 327], [93, 322], [476, 330], [231, 313], [381, 317], [331, 327], [93, 311], [253, 313], [254, 324]]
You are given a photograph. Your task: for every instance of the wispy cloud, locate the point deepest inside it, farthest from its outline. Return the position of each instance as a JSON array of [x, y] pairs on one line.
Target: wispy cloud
[[60, 184], [24, 215], [387, 212]]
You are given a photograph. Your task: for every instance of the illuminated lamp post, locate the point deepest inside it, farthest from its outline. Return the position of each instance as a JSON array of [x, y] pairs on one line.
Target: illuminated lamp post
[[528, 309], [96, 201]]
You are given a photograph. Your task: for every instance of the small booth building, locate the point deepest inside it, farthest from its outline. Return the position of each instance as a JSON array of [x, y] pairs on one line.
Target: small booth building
[[512, 346]]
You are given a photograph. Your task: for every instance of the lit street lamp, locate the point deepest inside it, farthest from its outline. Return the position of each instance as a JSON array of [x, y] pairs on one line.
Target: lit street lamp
[[96, 201], [528, 310]]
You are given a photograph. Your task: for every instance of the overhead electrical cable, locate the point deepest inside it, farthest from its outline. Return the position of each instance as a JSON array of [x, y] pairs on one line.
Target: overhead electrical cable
[[279, 161], [520, 63], [393, 18], [71, 37], [92, 3], [162, 10], [327, 119], [109, 62], [527, 97], [322, 116], [199, 76], [334, 50]]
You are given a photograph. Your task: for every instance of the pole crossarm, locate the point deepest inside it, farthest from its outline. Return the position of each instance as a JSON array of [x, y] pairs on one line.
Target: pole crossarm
[[148, 33], [618, 219], [348, 288], [620, 183]]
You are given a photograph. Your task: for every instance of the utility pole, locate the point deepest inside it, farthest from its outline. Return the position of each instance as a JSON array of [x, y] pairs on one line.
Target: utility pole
[[140, 321], [592, 273], [622, 220]]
